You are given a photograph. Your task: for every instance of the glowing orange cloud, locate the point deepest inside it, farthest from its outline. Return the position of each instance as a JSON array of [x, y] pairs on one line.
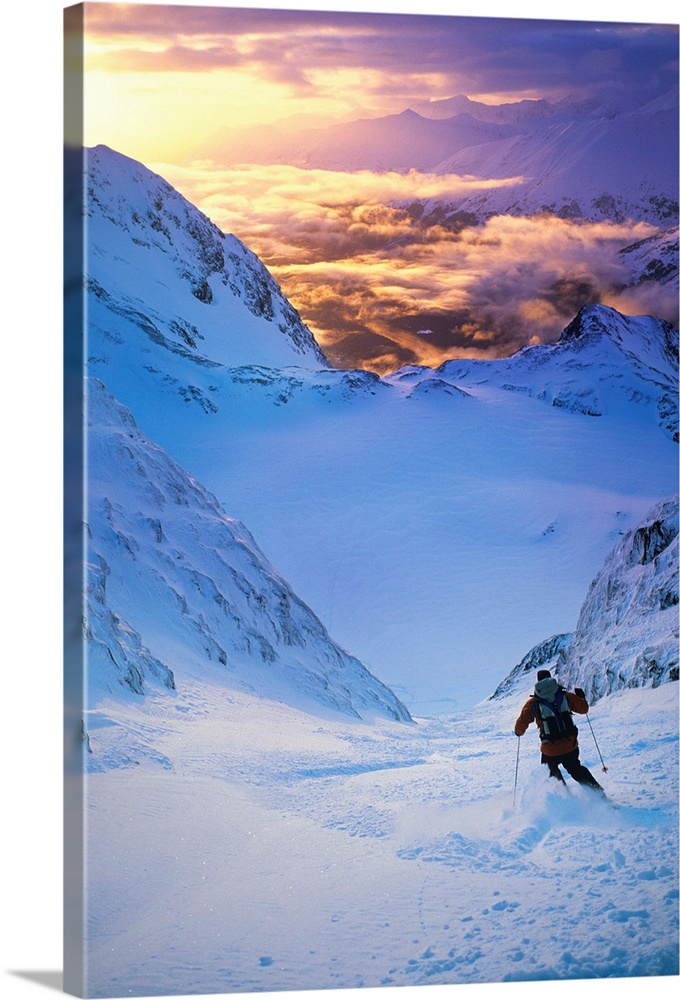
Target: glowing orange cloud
[[381, 285]]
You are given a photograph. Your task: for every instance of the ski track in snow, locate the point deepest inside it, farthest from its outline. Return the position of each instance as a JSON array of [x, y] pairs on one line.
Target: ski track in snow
[[262, 848]]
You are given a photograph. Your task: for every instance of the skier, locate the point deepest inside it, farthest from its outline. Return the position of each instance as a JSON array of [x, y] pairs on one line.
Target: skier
[[550, 707]]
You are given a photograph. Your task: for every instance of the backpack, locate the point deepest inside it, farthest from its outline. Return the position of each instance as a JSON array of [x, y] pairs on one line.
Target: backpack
[[551, 711]]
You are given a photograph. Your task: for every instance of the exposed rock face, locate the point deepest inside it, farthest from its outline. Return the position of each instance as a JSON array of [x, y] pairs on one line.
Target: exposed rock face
[[548, 655], [627, 632]]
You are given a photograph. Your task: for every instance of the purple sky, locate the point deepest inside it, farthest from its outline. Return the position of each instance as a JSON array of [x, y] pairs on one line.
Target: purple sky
[[470, 55]]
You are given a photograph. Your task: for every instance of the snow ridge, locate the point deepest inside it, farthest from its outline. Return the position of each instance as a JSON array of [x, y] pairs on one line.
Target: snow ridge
[[176, 588], [499, 113], [547, 655], [627, 631], [227, 307], [602, 363]]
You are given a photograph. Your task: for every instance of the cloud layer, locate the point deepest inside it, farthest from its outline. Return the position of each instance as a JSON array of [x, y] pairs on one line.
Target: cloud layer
[[394, 57], [382, 283]]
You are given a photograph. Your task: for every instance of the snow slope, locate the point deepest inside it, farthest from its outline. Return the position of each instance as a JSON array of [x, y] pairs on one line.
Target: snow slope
[[278, 851], [177, 589], [654, 259], [445, 533], [439, 523], [475, 504]]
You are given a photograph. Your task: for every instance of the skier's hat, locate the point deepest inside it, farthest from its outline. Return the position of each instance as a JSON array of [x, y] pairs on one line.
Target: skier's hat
[[542, 675]]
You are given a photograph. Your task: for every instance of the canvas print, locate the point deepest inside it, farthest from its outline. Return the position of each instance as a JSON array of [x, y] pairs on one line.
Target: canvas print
[[371, 520]]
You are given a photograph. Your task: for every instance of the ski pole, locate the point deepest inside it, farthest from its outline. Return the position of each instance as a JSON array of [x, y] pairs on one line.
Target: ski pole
[[514, 794], [604, 766]]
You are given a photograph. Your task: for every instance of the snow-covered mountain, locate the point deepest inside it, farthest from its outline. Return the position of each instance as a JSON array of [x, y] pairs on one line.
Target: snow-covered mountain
[[440, 523], [499, 113], [178, 590], [402, 141], [654, 259], [572, 159], [601, 363], [547, 655], [627, 631], [565, 163], [178, 282]]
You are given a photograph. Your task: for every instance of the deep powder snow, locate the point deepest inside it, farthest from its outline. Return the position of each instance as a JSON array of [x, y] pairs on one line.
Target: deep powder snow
[[276, 850]]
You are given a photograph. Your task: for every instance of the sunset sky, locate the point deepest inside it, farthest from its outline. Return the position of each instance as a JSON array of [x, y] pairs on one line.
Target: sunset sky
[[161, 80]]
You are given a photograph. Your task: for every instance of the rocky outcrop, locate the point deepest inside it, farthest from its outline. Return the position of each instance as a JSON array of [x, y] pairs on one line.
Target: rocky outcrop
[[547, 655], [627, 632]]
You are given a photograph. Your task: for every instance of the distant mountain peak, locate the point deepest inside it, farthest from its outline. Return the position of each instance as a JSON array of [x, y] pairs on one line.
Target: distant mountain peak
[[509, 112], [590, 320], [645, 339]]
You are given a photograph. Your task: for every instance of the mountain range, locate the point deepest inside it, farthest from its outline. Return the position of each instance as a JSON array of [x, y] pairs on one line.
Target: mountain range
[[438, 522], [575, 159]]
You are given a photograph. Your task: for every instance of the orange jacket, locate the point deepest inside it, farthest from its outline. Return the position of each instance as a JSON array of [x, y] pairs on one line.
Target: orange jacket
[[556, 747]]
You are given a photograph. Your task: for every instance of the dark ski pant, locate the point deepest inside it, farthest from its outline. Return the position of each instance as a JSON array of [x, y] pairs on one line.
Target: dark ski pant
[[573, 766]]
